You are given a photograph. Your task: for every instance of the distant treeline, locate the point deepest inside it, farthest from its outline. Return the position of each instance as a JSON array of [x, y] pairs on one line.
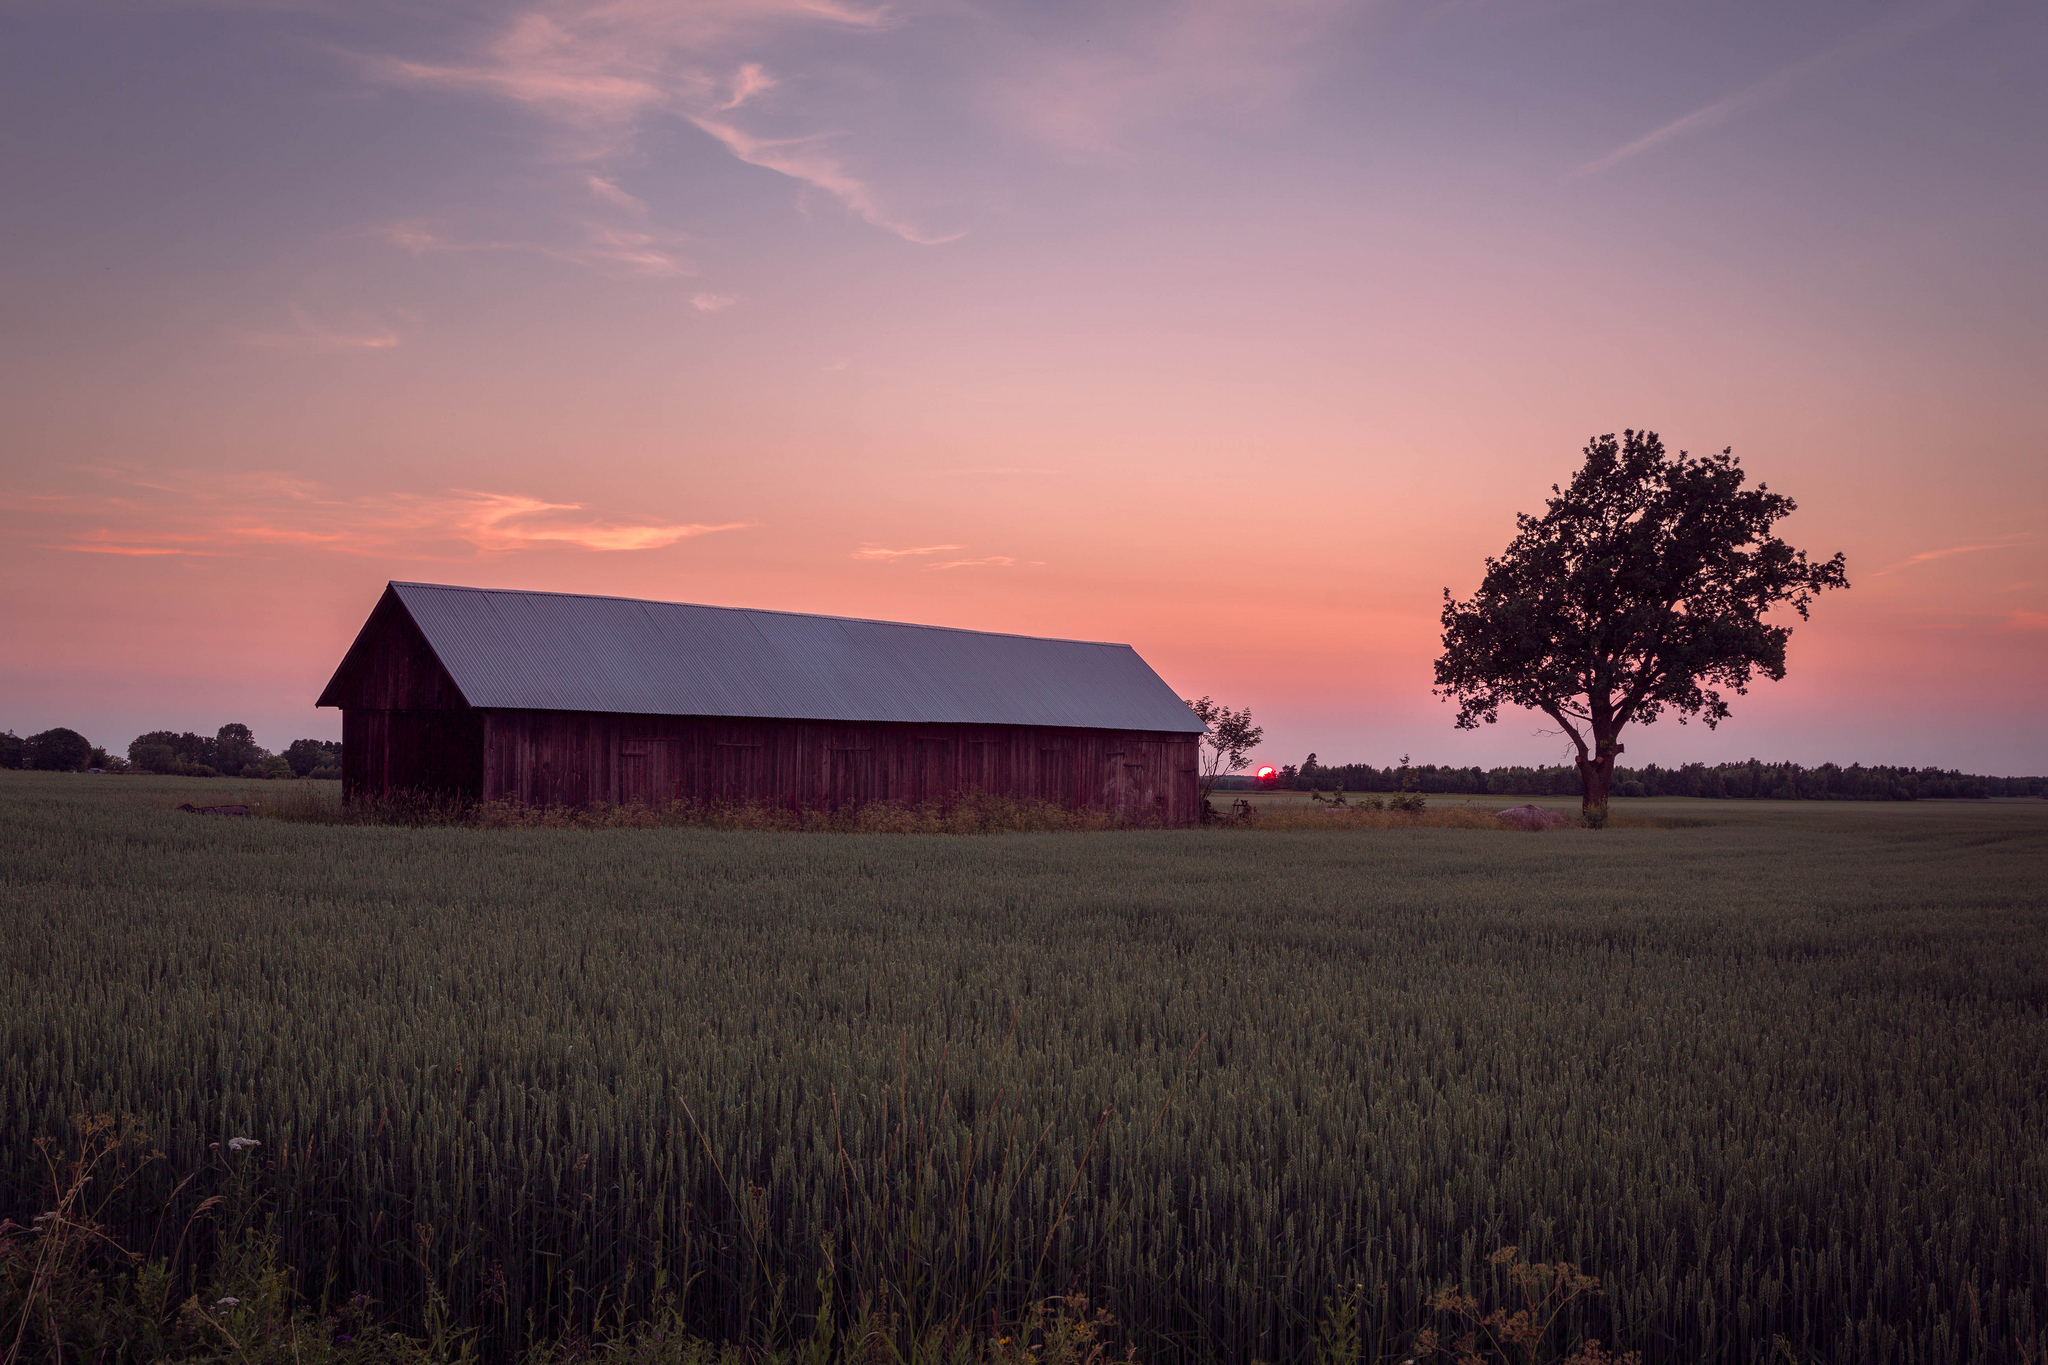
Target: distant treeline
[[1752, 780], [231, 751]]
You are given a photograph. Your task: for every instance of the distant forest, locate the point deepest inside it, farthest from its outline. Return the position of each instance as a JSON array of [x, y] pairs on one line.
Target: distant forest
[[1752, 780], [232, 751]]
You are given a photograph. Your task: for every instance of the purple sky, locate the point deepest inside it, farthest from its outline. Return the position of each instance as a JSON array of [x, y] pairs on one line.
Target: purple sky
[[1237, 332]]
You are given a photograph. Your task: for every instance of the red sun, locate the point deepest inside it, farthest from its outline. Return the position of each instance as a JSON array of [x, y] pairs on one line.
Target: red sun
[[1265, 773]]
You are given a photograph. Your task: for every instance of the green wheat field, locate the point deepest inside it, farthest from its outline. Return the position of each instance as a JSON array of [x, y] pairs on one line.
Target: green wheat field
[[1777, 1074]]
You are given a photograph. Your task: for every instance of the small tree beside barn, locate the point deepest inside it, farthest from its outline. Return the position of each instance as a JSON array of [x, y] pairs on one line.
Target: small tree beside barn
[[564, 699]]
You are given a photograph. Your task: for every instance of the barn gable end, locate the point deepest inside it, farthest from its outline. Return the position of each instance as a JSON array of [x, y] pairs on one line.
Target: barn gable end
[[392, 667], [405, 725]]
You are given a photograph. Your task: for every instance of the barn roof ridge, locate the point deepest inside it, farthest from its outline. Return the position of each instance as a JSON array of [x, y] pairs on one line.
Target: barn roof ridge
[[765, 611]]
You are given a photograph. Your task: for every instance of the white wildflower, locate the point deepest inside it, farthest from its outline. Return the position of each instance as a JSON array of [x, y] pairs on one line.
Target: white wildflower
[[240, 1144], [227, 1303]]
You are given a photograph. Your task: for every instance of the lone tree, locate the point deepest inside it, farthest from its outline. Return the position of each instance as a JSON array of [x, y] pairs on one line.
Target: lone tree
[[1228, 745], [1642, 588]]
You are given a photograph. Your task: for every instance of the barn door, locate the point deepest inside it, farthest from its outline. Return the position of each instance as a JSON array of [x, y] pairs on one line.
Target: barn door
[[1140, 798], [650, 771]]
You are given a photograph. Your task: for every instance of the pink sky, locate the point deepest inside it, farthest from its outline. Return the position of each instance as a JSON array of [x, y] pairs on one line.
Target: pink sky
[[1234, 332]]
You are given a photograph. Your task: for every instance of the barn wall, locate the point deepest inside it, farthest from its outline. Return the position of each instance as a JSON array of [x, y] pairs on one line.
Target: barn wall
[[383, 752], [578, 758]]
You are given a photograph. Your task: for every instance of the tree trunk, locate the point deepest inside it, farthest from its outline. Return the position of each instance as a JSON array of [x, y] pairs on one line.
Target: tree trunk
[[1596, 779]]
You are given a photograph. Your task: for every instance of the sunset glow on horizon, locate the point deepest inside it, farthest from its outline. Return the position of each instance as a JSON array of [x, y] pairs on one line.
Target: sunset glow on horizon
[[1181, 325]]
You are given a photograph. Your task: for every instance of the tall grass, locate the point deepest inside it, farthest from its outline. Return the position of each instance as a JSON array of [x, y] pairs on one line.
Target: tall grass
[[320, 803], [974, 813], [1776, 1082]]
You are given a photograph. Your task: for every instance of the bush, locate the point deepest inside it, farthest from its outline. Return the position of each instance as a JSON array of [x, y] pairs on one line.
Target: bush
[[11, 749], [330, 772], [59, 751]]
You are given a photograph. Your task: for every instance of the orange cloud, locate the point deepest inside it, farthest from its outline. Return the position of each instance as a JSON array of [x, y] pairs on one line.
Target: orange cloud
[[992, 561], [94, 546], [2027, 620], [228, 515], [877, 552], [498, 522]]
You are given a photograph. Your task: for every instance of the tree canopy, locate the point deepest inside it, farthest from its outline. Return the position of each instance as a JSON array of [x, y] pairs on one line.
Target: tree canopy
[[310, 756], [58, 751], [1641, 589], [1228, 745], [234, 751]]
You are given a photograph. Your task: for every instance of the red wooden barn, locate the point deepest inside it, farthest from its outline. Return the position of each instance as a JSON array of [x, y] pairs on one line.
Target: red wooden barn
[[559, 698]]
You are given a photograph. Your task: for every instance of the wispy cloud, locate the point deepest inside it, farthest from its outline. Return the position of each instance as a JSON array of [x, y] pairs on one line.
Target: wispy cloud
[[215, 515], [712, 303], [994, 469], [1889, 32], [102, 542], [597, 71], [1139, 63], [609, 191], [878, 552], [1929, 556], [618, 247], [314, 337], [750, 80], [2027, 620], [805, 159], [991, 562]]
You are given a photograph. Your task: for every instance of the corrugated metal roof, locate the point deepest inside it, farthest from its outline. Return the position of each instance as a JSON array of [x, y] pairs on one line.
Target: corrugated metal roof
[[568, 652]]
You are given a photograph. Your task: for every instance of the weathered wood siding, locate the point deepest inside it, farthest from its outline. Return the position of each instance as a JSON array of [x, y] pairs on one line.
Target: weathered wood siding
[[441, 752], [577, 758]]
